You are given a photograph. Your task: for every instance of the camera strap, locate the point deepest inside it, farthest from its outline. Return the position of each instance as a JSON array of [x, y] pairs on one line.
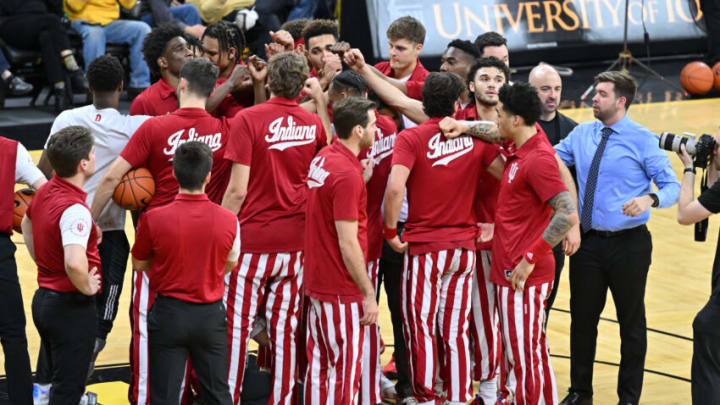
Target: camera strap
[[701, 227]]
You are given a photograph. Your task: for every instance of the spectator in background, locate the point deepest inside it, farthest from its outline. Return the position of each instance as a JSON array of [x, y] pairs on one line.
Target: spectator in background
[[98, 22], [158, 12], [28, 24], [11, 84], [212, 11]]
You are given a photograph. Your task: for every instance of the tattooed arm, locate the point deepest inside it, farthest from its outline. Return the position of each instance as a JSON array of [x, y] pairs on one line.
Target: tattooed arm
[[484, 130], [565, 217]]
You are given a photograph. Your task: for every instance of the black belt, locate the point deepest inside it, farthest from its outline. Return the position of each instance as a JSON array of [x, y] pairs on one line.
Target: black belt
[[74, 296], [613, 234]]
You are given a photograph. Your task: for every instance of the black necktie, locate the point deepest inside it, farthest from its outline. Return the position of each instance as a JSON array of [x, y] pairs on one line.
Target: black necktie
[[589, 199]]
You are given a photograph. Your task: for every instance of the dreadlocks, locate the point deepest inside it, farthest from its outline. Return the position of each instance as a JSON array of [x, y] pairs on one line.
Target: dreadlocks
[[228, 36]]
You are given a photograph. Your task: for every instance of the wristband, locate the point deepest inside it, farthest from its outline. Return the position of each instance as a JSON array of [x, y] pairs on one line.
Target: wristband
[[389, 233], [537, 250], [689, 170]]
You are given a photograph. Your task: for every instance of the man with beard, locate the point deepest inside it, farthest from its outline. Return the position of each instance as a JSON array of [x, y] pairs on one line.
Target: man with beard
[[485, 79], [556, 126], [616, 160]]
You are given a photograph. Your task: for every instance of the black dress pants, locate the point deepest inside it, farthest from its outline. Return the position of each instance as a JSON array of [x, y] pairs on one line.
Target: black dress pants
[[177, 329], [706, 355], [12, 327], [559, 255], [67, 323], [114, 251], [390, 269], [42, 32], [620, 263]]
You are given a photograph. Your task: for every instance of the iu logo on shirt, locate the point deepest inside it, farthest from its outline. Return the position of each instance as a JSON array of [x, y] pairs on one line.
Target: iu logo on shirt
[[513, 171], [317, 175], [449, 149], [283, 137], [98, 118], [382, 146], [214, 141]]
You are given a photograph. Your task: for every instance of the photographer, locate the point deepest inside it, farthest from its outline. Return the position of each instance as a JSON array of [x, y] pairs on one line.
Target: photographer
[[706, 335]]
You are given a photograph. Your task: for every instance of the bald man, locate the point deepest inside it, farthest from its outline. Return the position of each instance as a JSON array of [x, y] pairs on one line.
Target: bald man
[[556, 126]]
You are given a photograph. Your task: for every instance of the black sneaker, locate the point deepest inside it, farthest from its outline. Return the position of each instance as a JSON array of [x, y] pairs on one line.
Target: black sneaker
[[78, 82], [18, 86]]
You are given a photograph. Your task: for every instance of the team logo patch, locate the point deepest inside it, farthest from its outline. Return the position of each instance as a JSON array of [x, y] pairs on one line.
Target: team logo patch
[[283, 137], [80, 227], [98, 118], [448, 150], [317, 175], [512, 172]]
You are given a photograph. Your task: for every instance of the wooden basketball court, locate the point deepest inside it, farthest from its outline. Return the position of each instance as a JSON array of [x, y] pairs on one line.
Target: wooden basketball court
[[678, 286]]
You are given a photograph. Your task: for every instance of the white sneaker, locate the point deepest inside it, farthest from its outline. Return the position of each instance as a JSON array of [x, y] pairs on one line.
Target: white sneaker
[[488, 390], [409, 401], [89, 398], [387, 389], [41, 394]]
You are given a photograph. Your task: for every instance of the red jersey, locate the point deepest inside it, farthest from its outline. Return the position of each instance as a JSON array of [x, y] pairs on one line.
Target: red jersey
[[153, 146], [277, 139], [441, 186], [188, 240], [336, 192], [530, 179], [158, 99], [414, 83], [381, 151], [45, 212], [8, 155], [488, 185], [231, 104]]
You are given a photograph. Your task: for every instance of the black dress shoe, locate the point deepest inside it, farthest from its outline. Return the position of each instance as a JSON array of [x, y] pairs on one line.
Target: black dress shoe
[[17, 86], [573, 398], [625, 403]]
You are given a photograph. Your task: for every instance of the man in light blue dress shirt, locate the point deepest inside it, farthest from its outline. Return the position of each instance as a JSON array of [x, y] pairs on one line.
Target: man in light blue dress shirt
[[616, 160]]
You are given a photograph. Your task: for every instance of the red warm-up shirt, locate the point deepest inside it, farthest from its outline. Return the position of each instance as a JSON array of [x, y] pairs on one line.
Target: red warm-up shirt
[[45, 212], [530, 179], [414, 84], [153, 146], [381, 151], [441, 186], [277, 139], [188, 240], [336, 192], [158, 99]]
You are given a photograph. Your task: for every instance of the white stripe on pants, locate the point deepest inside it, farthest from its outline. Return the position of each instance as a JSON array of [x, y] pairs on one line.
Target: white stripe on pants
[[436, 294], [530, 378], [268, 282], [484, 321], [334, 348], [370, 380]]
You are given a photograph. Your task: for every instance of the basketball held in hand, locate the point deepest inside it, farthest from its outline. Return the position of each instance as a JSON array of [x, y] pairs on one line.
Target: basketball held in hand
[[135, 190], [22, 202]]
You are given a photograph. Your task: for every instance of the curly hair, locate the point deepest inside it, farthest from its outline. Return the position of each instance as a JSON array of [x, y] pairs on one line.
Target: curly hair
[[156, 42], [465, 46], [105, 74], [521, 99], [228, 36], [407, 28], [440, 92], [287, 72], [488, 62], [490, 38], [296, 27], [319, 27]]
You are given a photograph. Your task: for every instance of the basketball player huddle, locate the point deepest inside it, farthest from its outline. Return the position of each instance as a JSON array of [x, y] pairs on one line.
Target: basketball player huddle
[[272, 220]]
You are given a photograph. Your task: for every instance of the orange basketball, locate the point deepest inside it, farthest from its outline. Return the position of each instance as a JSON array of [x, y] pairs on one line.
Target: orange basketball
[[135, 190], [696, 78], [716, 74], [22, 202]]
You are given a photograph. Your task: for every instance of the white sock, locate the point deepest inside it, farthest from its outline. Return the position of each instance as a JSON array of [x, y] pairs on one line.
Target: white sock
[[488, 391]]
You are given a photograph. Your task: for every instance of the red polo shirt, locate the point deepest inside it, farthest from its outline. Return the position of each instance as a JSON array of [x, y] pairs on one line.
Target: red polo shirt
[[153, 146], [337, 192], [277, 139], [381, 151], [158, 99], [188, 241], [488, 185], [530, 179], [441, 187], [45, 212], [231, 104], [414, 84]]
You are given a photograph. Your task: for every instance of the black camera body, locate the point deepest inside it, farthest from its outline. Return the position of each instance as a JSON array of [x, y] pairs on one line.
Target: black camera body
[[701, 148]]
